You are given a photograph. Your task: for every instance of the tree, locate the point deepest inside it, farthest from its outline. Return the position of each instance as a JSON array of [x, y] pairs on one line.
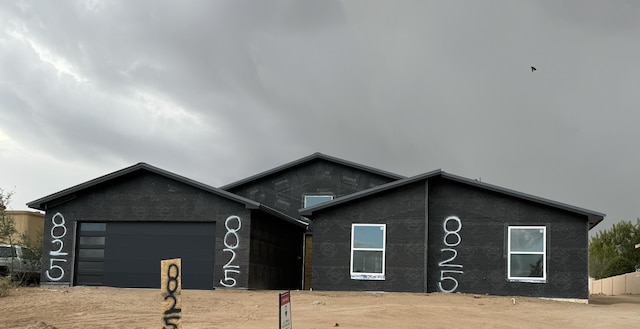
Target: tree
[[31, 249], [7, 225], [612, 252], [32, 253], [7, 230]]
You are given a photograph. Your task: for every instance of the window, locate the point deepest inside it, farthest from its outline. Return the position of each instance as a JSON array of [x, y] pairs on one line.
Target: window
[[8, 251], [92, 240], [94, 227], [90, 253], [312, 200], [527, 253], [368, 251]]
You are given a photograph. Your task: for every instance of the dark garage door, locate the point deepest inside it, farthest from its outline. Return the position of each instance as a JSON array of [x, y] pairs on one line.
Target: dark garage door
[[133, 250]]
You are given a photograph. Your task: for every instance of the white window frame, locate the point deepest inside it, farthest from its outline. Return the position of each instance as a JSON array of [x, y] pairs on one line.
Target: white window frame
[[542, 279], [364, 275], [304, 204]]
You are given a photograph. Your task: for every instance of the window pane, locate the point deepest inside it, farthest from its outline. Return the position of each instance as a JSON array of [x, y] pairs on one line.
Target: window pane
[[97, 253], [527, 266], [367, 261], [368, 236], [6, 251], [93, 240], [93, 226], [312, 200], [527, 239]]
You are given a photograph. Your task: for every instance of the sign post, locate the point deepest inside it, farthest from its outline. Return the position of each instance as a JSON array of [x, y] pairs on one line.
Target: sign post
[[171, 288], [285, 310]]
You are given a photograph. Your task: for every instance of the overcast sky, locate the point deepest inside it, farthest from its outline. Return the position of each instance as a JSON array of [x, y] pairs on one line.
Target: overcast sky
[[220, 90]]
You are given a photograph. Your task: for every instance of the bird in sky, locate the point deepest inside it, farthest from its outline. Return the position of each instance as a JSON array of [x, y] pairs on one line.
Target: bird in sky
[[533, 68]]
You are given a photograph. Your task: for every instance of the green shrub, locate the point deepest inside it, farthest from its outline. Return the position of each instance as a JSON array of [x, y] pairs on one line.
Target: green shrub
[[618, 265]]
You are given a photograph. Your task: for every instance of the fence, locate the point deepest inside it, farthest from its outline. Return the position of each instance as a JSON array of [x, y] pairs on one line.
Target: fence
[[616, 285]]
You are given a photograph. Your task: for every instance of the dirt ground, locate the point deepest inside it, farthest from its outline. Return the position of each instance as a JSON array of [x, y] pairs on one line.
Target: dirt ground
[[103, 307]]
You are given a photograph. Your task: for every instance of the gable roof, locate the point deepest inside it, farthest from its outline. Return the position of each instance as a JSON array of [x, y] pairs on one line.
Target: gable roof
[[593, 217], [70, 193], [307, 159]]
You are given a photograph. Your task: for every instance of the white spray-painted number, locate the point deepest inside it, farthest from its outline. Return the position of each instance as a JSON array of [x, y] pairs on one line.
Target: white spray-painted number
[[231, 243], [58, 232], [451, 239]]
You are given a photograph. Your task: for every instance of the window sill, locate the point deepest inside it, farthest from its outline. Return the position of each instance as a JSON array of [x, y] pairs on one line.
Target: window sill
[[362, 276], [528, 280]]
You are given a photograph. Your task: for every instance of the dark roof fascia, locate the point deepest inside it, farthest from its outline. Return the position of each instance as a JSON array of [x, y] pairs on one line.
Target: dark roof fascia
[[377, 189], [67, 194], [309, 158], [296, 221], [593, 217]]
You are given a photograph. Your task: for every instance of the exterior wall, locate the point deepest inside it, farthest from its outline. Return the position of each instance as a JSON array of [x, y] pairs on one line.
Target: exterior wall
[[141, 196], [276, 253], [284, 191], [403, 210], [30, 223], [482, 251], [232, 258]]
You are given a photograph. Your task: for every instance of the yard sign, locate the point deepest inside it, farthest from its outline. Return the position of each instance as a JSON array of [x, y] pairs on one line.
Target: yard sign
[[285, 310]]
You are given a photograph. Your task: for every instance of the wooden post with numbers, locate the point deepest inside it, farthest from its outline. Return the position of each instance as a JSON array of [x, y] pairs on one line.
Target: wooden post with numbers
[[171, 288]]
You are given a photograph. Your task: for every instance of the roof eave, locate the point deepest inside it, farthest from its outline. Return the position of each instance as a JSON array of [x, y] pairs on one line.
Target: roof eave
[[296, 221], [592, 216], [69, 193], [41, 204]]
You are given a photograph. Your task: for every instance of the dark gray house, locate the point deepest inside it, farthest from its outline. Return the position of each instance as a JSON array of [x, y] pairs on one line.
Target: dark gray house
[[441, 232], [372, 231], [115, 229]]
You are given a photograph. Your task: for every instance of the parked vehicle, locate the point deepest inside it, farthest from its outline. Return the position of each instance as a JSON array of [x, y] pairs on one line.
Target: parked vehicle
[[18, 261]]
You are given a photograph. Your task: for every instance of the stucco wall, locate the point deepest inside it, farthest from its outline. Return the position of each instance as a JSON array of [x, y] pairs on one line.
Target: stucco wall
[[29, 223]]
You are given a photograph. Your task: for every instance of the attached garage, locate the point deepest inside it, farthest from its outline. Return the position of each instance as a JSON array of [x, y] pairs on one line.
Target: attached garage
[[128, 254], [114, 231]]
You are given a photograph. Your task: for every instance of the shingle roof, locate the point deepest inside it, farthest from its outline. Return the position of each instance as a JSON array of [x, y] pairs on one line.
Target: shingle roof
[[307, 159], [593, 216], [68, 194]]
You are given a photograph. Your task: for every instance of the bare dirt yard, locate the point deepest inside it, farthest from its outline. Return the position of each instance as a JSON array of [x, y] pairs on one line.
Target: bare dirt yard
[[103, 307]]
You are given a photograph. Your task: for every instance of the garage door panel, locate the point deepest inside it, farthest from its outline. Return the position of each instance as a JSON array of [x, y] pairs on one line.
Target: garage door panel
[[133, 251], [149, 266], [133, 280], [159, 229]]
